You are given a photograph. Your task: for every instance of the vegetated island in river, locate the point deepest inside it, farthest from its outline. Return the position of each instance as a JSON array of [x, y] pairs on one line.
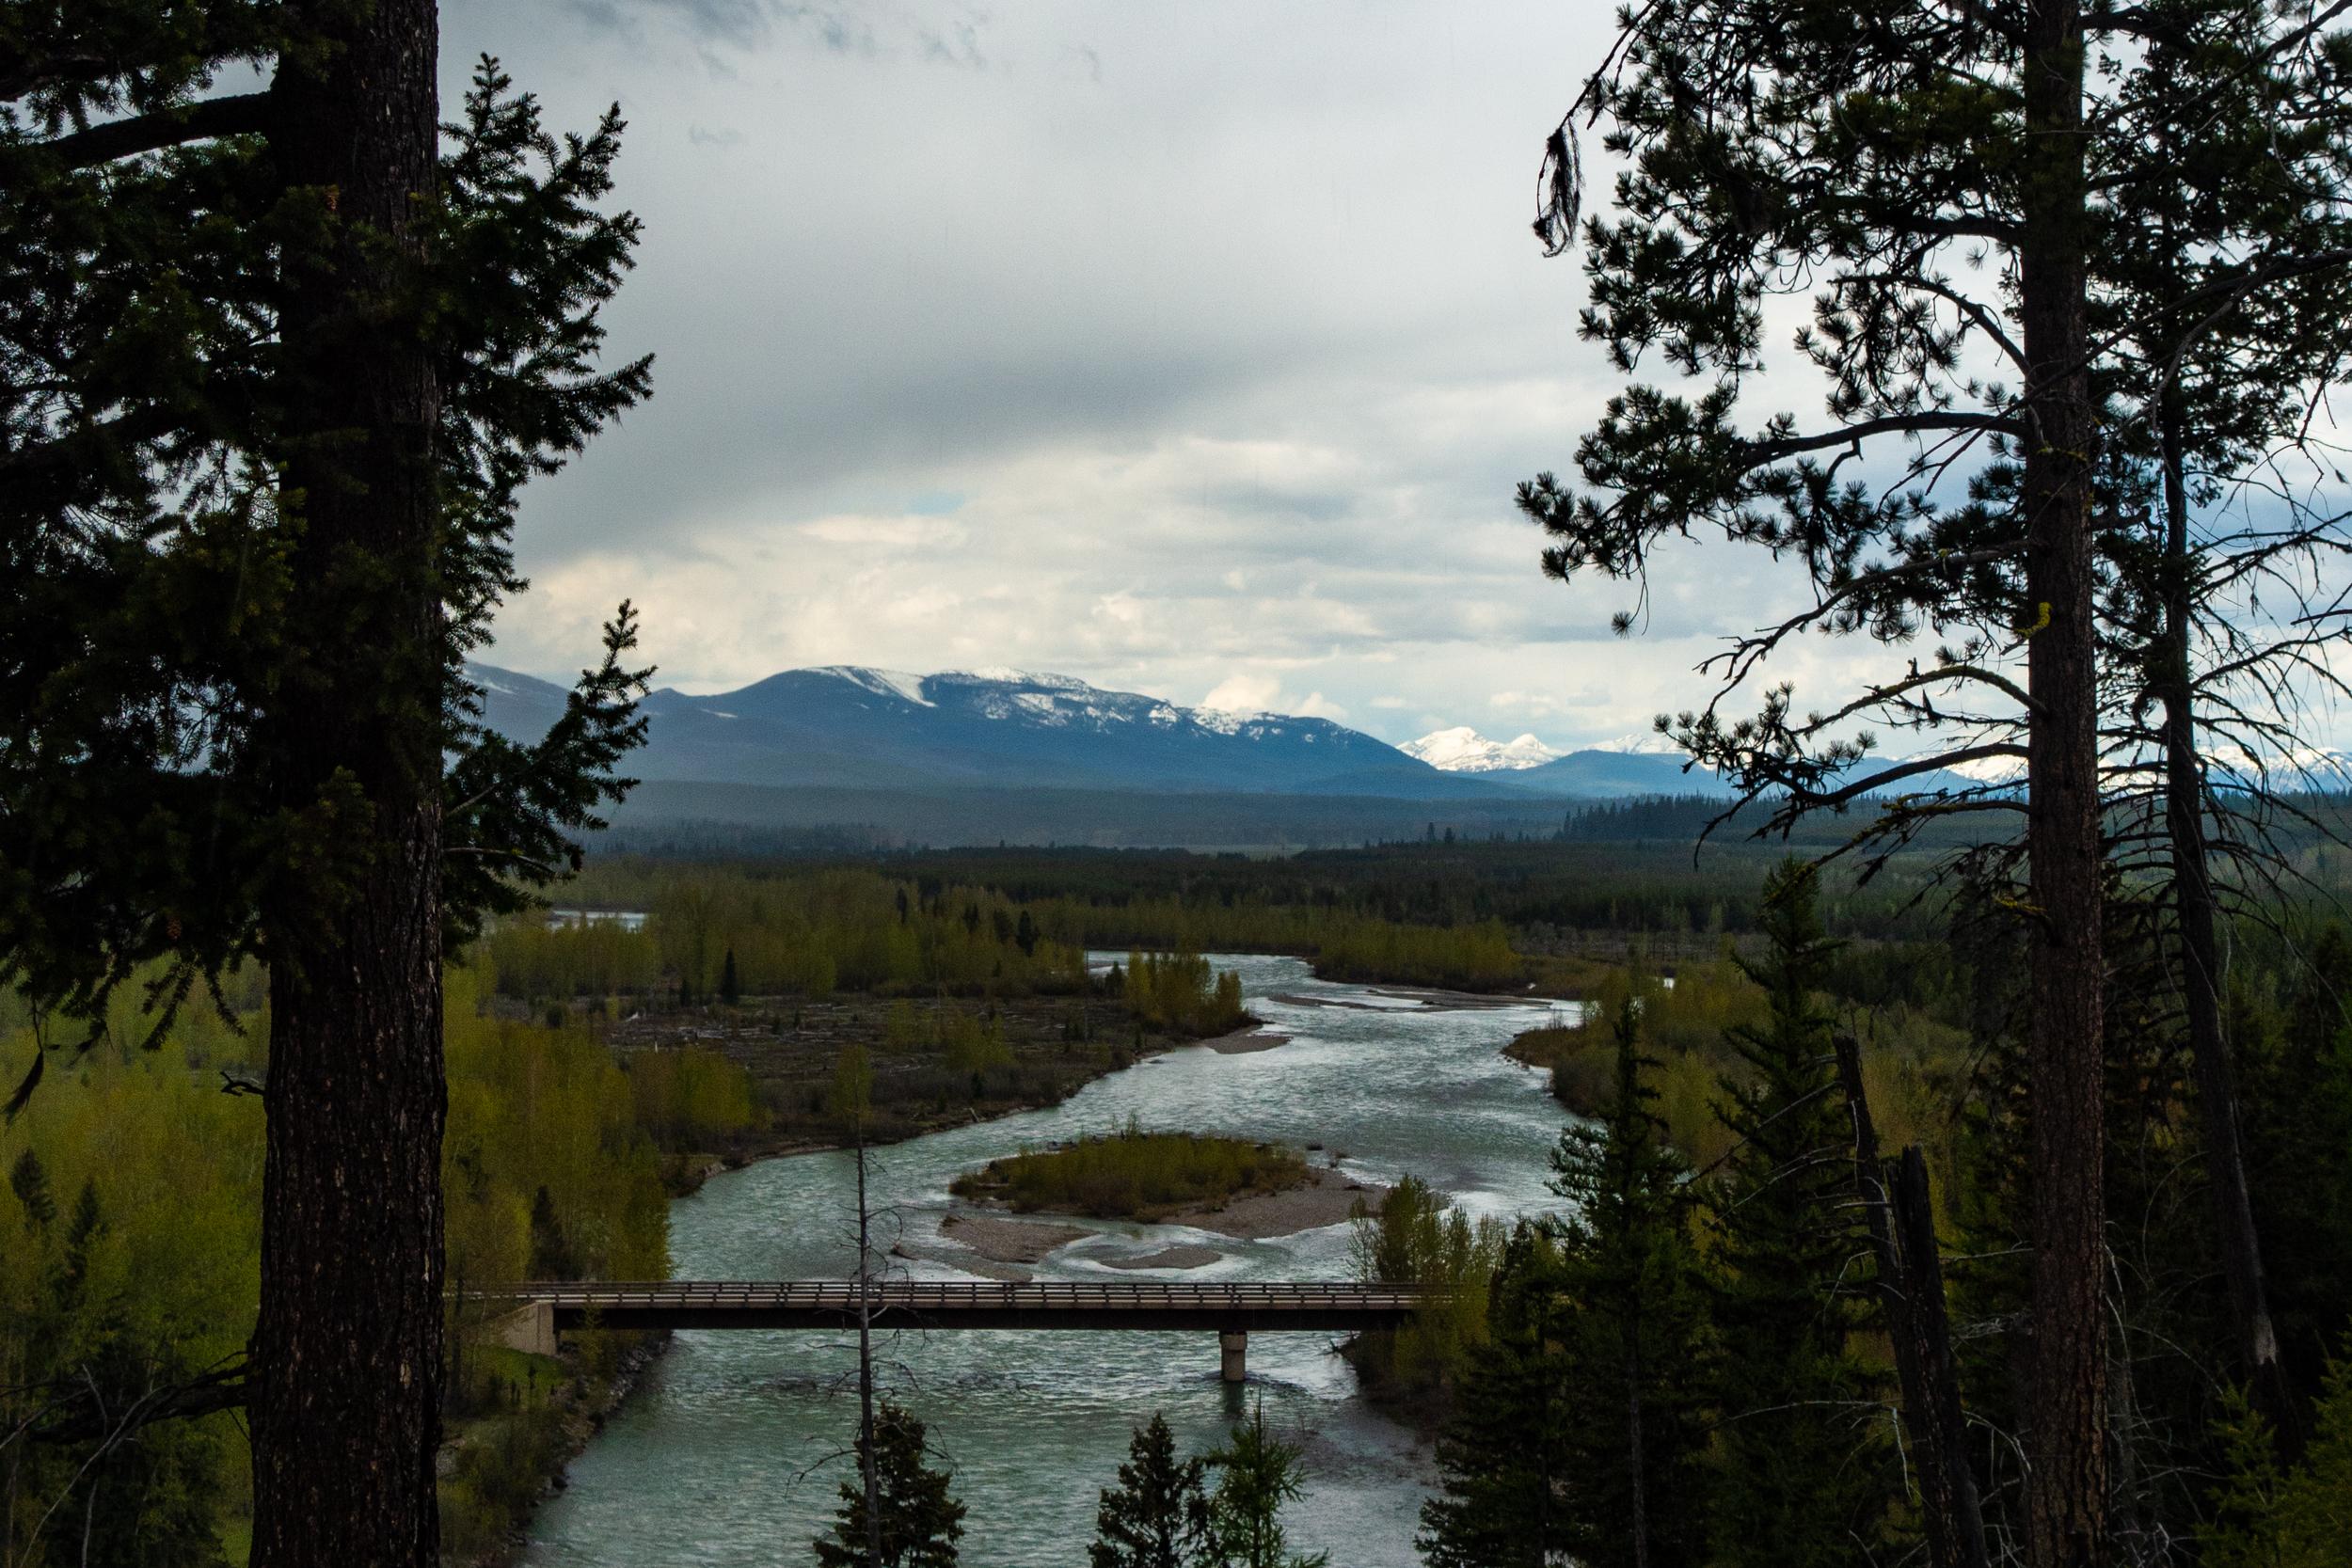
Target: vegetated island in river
[[1134, 1175], [1232, 1186]]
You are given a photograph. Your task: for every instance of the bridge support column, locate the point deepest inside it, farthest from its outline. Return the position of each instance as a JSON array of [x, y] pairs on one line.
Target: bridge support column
[[530, 1328], [1234, 1355]]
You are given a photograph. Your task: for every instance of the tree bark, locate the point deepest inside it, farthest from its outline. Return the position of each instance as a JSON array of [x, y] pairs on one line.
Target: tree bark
[[2066, 1419], [347, 1353], [869, 1457], [1902, 1222], [2239, 1241]]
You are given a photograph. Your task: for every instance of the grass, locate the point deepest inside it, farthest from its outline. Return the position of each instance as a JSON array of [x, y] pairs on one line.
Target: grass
[[1134, 1175]]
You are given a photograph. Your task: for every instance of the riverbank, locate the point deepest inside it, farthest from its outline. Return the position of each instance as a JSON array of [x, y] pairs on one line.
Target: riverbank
[[939, 1064], [711, 1448], [509, 1447]]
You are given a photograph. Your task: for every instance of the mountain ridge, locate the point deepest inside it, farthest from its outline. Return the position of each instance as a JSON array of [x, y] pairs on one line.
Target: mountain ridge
[[860, 726]]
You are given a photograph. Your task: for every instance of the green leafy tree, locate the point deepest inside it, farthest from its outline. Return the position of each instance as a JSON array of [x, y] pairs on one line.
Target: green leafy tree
[[273, 368], [1632, 1333], [920, 1520], [1157, 1516], [1799, 1477], [1257, 1473], [552, 1255], [1504, 1458]]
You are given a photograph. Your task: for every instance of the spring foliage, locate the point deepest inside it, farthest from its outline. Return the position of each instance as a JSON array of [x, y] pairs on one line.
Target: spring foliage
[[130, 1254]]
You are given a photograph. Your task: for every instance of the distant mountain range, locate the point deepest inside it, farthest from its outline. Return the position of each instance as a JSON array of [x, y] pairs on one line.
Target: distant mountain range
[[847, 727], [1465, 751]]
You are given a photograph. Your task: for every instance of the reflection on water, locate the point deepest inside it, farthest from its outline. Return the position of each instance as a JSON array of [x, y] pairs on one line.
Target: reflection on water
[[730, 1454]]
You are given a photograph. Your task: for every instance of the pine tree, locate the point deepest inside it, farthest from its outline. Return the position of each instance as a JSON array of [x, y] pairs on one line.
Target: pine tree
[[1504, 1457], [921, 1522], [1157, 1515], [1798, 1481], [730, 989], [2075, 272], [273, 368], [1632, 1334], [1257, 1473]]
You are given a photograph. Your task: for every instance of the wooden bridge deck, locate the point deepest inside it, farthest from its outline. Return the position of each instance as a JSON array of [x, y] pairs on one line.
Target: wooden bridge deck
[[1229, 1308]]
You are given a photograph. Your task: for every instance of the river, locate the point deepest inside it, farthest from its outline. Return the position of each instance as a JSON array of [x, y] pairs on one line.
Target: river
[[728, 1456]]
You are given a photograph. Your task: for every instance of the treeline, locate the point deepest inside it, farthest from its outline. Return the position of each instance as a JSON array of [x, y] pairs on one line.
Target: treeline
[[129, 1265], [1123, 897], [718, 933], [1731, 1265]]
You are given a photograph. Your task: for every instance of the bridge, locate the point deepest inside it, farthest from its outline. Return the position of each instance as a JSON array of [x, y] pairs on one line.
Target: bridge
[[538, 1314]]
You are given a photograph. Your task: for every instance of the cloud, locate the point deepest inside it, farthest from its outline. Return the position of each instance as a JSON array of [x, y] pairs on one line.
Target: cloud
[[1190, 350], [1244, 693], [742, 22]]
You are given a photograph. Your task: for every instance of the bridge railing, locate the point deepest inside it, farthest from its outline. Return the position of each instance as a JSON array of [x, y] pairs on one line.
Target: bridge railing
[[1046, 1295]]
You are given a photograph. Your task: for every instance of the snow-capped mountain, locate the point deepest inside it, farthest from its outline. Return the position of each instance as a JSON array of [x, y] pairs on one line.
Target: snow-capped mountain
[[1463, 750], [855, 726], [1646, 743]]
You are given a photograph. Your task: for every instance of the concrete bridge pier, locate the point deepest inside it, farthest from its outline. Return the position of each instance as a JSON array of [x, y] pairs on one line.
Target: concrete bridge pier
[[1233, 1346], [530, 1327]]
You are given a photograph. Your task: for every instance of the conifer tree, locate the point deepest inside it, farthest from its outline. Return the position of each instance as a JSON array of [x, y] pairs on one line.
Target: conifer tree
[[1798, 1479], [273, 368], [920, 1520], [730, 989], [1632, 1334], [1256, 1474], [1157, 1516], [1504, 1458], [2073, 270]]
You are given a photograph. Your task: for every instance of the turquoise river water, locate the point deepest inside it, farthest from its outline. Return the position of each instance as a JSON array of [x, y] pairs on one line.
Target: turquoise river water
[[729, 1455]]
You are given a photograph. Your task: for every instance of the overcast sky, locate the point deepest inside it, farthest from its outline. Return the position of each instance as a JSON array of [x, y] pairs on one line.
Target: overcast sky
[[1190, 348]]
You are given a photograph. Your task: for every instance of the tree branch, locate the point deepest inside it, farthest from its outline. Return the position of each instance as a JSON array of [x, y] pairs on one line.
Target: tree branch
[[245, 114]]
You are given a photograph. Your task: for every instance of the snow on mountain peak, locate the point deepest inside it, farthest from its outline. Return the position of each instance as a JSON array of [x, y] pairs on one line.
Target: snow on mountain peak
[[1463, 750], [1647, 743], [882, 683]]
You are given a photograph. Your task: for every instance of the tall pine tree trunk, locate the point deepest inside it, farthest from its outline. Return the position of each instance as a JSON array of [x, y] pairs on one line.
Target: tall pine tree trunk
[[345, 1403], [2066, 1420], [2239, 1243]]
